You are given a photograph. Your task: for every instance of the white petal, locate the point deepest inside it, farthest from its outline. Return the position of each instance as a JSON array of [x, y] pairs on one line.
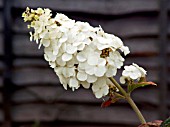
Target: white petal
[[66, 57], [46, 57], [122, 80], [100, 71], [39, 29], [81, 76], [45, 42], [81, 57], [82, 65], [125, 49], [101, 82], [81, 47], [53, 34], [31, 36], [52, 57], [77, 43], [65, 73], [52, 64], [58, 70], [49, 57], [91, 78], [46, 36], [55, 51], [85, 85], [95, 88], [89, 69], [118, 64], [73, 83], [105, 90], [71, 49], [101, 46], [68, 72], [111, 72], [63, 81], [134, 76], [129, 68], [63, 29], [42, 34], [60, 61], [99, 94], [101, 62], [101, 40], [126, 73], [92, 59], [71, 62], [63, 39], [118, 41]]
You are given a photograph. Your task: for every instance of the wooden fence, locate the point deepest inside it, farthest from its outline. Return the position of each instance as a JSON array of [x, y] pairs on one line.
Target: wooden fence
[[30, 93]]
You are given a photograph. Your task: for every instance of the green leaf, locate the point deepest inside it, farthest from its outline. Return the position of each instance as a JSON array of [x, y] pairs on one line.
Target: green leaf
[[133, 86], [166, 123]]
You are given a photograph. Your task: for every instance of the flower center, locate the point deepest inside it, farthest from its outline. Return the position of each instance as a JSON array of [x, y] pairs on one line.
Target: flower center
[[105, 52]]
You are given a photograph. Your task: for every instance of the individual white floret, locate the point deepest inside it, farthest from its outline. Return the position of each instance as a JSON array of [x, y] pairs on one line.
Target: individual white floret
[[100, 88], [132, 72]]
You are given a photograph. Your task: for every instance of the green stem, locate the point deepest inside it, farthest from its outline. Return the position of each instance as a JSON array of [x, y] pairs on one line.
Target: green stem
[[129, 100]]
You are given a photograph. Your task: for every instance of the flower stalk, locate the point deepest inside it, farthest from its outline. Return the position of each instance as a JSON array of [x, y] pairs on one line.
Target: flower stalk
[[129, 100]]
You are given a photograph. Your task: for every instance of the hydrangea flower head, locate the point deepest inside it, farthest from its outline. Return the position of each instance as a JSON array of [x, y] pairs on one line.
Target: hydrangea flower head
[[132, 72], [81, 55]]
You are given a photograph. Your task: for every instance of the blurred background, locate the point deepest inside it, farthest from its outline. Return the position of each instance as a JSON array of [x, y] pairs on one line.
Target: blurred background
[[30, 93]]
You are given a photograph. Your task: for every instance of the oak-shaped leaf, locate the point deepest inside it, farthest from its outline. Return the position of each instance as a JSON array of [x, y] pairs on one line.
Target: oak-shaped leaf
[[133, 86]]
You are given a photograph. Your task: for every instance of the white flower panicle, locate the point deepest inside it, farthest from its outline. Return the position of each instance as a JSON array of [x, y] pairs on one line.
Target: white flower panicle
[[132, 72], [80, 54]]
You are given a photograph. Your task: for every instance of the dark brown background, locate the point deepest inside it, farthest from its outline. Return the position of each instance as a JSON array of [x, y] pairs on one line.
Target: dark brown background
[[30, 93]]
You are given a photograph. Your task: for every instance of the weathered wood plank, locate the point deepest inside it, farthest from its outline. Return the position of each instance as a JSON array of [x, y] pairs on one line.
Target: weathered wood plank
[[1, 116], [1, 19], [1, 66], [168, 47], [1, 73], [81, 113], [1, 100], [1, 81], [1, 43], [34, 76], [22, 63], [124, 27], [40, 76], [51, 94], [116, 7], [23, 46], [57, 94], [142, 45], [1, 3], [146, 62]]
